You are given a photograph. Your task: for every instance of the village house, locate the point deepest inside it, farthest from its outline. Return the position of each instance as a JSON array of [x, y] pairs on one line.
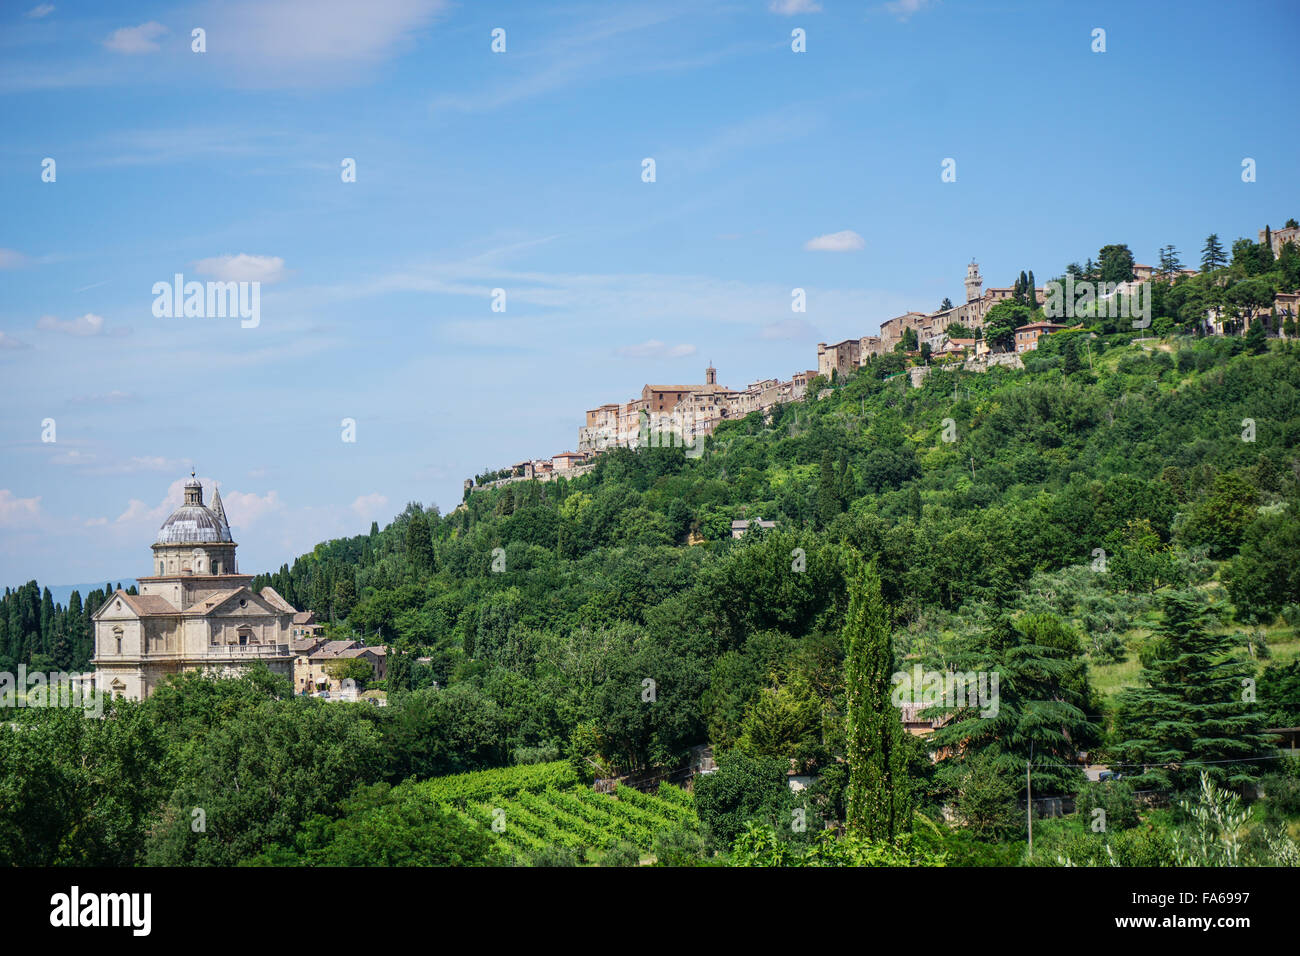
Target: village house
[[1027, 336], [738, 528], [313, 655]]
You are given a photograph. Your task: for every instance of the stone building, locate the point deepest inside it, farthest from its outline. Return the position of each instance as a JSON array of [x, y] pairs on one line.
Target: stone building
[[1277, 238], [840, 358], [195, 612]]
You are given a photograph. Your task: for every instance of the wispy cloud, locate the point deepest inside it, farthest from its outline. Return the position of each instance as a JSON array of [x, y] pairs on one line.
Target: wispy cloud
[[133, 40], [653, 348], [313, 42], [788, 8], [370, 506], [115, 397], [572, 57], [789, 329], [242, 268], [12, 259], [905, 8], [11, 344], [15, 511], [72, 457], [41, 10], [83, 327], [844, 241]]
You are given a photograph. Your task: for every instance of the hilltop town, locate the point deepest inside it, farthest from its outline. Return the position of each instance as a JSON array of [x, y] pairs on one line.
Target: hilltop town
[[684, 414]]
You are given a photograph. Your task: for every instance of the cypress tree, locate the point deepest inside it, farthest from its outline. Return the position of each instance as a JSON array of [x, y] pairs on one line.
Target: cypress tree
[[878, 799], [828, 505], [846, 488], [419, 545]]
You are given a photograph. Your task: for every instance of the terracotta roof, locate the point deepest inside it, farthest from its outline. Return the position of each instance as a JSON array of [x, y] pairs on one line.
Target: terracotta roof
[[147, 605], [272, 597], [211, 603], [332, 649]]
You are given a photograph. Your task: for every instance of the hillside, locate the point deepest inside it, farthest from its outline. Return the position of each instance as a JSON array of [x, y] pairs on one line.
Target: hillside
[[1138, 453]]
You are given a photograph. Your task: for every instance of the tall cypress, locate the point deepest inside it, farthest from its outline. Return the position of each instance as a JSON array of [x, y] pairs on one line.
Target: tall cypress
[[878, 800], [828, 504]]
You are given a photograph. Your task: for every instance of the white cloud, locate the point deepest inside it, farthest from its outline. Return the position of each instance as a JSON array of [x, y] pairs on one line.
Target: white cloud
[[242, 268], [96, 522], [15, 511], [905, 8], [9, 343], [115, 397], [41, 10], [299, 42], [12, 259], [138, 511], [845, 241], [370, 506], [789, 329], [150, 463], [244, 509], [72, 457], [88, 324], [141, 39], [788, 8], [653, 348]]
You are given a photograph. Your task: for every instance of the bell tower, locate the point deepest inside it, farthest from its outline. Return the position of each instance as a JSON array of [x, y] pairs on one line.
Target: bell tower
[[973, 281], [710, 375]]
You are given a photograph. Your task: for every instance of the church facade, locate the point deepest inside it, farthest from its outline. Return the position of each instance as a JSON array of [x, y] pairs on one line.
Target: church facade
[[194, 612]]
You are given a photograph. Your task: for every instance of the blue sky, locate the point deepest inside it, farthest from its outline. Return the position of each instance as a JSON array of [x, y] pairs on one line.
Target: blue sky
[[522, 171]]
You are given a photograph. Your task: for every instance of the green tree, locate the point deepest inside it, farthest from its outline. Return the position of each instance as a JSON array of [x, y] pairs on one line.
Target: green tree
[[1264, 576], [381, 825], [345, 596], [1001, 322], [829, 503], [1170, 264], [1219, 520], [77, 790], [742, 789], [1115, 263], [1192, 710], [419, 545], [1212, 254], [879, 798]]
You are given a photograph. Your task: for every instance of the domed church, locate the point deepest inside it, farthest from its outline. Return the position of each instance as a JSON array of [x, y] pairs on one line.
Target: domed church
[[194, 612]]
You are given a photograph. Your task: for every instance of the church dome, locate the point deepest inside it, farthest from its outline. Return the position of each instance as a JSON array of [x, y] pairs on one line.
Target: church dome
[[194, 522]]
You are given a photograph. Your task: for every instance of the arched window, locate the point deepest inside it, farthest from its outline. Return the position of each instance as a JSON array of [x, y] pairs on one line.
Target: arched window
[[117, 637]]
